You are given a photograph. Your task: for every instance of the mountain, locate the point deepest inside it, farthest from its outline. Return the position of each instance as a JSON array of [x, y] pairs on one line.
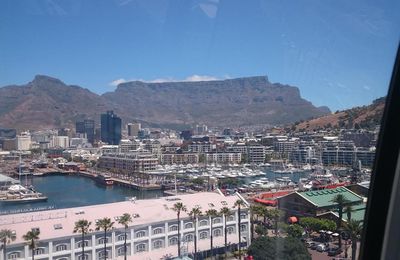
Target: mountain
[[358, 117], [232, 102], [49, 103]]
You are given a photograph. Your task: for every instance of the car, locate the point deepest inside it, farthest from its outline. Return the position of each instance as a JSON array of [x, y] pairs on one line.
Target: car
[[313, 246], [334, 251], [321, 248], [309, 243]]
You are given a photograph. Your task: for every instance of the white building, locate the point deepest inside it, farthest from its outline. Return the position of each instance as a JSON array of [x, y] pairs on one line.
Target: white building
[[223, 157], [152, 234], [60, 141], [133, 129], [23, 142]]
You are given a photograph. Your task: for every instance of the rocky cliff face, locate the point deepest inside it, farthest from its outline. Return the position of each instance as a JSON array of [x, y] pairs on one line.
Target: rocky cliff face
[[47, 102]]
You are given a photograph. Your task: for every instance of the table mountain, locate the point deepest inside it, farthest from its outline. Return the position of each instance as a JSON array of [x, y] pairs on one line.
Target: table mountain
[[47, 102]]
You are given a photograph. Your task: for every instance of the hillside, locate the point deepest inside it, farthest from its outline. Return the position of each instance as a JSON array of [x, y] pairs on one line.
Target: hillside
[[49, 103], [363, 117]]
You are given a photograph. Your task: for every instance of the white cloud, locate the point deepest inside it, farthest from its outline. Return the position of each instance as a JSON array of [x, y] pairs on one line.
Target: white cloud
[[116, 82], [366, 87], [200, 78]]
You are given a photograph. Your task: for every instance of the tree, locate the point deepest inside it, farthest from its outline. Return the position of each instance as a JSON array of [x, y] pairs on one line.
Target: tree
[[275, 215], [294, 230], [82, 226], [32, 237], [348, 209], [194, 214], [124, 220], [354, 228], [104, 224], [254, 211], [340, 200], [287, 248], [178, 208], [211, 213], [316, 224], [238, 204], [6, 236], [225, 212]]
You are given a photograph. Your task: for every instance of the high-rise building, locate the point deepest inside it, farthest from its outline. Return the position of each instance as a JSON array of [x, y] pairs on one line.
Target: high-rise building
[[86, 127], [23, 142], [133, 129], [110, 128]]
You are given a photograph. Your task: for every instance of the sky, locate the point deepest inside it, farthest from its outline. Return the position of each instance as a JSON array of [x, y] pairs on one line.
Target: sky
[[339, 53]]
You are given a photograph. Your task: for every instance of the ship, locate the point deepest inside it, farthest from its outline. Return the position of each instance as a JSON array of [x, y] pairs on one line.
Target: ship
[[104, 179], [20, 194]]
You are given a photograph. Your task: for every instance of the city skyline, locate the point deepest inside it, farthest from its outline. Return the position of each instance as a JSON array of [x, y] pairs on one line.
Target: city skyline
[[339, 54]]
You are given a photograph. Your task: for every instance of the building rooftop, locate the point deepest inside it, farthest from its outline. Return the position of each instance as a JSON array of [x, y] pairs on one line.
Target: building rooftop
[[61, 222], [324, 198]]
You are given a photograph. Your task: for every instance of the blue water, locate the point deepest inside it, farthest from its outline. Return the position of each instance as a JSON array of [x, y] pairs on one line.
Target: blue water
[[65, 191]]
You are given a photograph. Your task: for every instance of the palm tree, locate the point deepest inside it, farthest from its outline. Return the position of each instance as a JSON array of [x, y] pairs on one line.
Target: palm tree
[[211, 213], [82, 226], [32, 237], [348, 209], [124, 220], [239, 203], [178, 208], [354, 228], [104, 224], [340, 200], [225, 212], [6, 236], [194, 214], [275, 215]]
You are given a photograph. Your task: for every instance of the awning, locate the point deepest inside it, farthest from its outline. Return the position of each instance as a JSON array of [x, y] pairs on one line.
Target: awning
[[335, 234], [293, 220]]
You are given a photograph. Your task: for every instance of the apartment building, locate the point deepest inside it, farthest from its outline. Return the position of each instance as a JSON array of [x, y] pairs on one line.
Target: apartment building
[[140, 161]]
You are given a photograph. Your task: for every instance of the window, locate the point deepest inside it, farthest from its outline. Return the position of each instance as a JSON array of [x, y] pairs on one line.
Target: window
[[83, 257], [141, 247], [188, 225], [158, 231], [217, 232], [121, 237], [158, 243], [230, 218], [173, 228], [61, 247], [188, 237], [121, 250], [86, 243], [103, 240], [102, 254], [203, 222], [243, 215], [14, 255], [140, 234], [230, 230], [39, 251], [203, 235], [173, 241], [243, 228], [217, 220]]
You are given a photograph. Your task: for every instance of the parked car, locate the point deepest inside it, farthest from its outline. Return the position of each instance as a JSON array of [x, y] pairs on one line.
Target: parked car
[[309, 243], [321, 248], [334, 251], [313, 246]]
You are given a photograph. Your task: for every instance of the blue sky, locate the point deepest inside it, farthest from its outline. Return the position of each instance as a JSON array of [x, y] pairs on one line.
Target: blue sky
[[339, 53]]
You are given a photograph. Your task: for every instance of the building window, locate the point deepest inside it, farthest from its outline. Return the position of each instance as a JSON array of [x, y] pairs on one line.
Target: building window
[[243, 228], [86, 243], [39, 251], [231, 218], [203, 222], [158, 244], [102, 254], [141, 247], [217, 220], [157, 231], [83, 257], [121, 237], [14, 255], [103, 240], [230, 230], [243, 216], [173, 228], [121, 251], [217, 232], [189, 225], [140, 234], [188, 237], [173, 241], [204, 235], [61, 247]]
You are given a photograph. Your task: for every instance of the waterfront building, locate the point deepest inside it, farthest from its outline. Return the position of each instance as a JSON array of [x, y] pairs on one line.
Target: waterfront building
[[256, 154], [110, 128], [133, 129], [126, 146], [224, 157], [138, 161], [23, 142], [201, 147], [86, 127], [152, 234], [179, 158]]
